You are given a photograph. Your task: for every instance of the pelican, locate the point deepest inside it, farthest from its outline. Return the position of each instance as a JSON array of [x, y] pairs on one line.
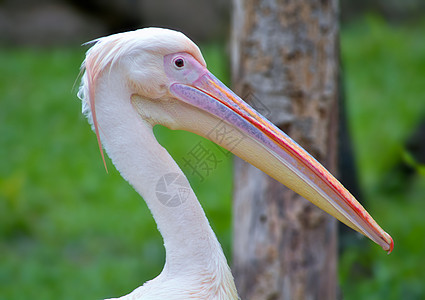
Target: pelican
[[135, 80]]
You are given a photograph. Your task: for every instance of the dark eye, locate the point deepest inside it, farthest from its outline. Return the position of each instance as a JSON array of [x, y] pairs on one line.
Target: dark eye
[[179, 63]]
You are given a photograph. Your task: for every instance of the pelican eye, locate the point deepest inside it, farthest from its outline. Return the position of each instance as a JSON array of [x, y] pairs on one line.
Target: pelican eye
[[179, 63]]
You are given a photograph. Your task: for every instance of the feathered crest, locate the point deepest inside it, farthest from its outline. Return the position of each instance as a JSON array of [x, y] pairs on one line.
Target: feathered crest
[[104, 53]]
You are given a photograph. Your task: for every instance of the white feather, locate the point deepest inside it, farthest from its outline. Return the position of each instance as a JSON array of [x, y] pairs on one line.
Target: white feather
[[115, 68]]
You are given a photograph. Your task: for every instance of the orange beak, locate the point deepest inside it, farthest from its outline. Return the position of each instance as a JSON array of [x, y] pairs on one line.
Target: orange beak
[[271, 150]]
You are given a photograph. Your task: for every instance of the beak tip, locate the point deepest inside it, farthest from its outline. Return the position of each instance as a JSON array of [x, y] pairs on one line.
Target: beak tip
[[390, 243]]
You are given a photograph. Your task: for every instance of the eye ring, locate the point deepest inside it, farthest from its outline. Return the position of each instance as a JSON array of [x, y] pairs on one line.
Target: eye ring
[[179, 62]]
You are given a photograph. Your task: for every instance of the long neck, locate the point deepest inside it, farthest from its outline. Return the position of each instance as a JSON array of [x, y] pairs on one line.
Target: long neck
[[129, 141]]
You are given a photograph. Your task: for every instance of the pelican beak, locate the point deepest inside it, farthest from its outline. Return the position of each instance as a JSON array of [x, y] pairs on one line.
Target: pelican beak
[[256, 140]]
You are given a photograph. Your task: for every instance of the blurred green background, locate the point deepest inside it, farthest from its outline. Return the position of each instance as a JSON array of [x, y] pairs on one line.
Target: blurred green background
[[68, 230]]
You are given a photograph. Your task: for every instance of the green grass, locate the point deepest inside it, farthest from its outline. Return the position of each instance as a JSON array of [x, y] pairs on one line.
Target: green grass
[[68, 230], [385, 67], [385, 70]]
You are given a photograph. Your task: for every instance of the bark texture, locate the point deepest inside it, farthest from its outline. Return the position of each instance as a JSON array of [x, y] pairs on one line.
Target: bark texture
[[285, 59]]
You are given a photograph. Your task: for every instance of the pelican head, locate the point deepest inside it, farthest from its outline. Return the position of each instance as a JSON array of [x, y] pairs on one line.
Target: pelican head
[[164, 78]]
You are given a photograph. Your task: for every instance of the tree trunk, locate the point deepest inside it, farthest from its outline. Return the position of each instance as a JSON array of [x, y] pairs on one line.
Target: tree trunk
[[285, 59]]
